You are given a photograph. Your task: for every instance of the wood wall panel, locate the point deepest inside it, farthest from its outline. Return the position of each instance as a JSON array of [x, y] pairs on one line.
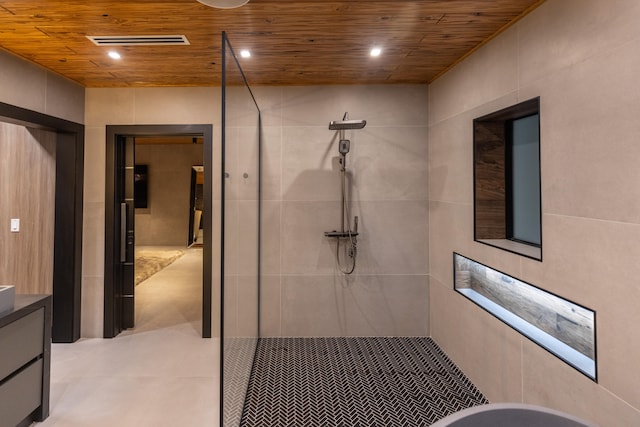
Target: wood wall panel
[[489, 164], [27, 189]]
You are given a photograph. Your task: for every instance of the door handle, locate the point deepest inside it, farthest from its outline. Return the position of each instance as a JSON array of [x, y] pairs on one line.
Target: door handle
[[123, 232]]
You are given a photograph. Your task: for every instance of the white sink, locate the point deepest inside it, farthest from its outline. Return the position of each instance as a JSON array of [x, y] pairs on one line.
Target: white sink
[[7, 298]]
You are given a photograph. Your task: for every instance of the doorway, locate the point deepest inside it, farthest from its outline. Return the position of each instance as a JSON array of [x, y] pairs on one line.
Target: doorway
[[67, 250], [119, 294]]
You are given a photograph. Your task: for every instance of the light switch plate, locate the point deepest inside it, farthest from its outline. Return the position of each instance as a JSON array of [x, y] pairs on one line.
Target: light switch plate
[[15, 225]]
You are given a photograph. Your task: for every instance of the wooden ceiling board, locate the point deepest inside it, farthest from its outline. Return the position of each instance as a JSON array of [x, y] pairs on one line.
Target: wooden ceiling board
[[295, 42]]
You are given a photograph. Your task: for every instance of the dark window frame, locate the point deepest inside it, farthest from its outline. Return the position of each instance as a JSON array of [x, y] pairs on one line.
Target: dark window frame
[[493, 180]]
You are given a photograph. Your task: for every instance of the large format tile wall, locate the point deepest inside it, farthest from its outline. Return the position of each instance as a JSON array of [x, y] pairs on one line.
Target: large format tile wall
[[581, 58], [30, 86], [303, 293], [129, 106]]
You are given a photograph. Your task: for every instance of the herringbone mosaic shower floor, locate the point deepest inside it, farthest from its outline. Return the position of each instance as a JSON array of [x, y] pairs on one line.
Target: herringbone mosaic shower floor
[[354, 382]]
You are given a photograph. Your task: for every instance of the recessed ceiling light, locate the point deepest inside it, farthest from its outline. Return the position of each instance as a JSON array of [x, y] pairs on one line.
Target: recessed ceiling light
[[376, 51], [224, 4], [245, 53], [114, 55]]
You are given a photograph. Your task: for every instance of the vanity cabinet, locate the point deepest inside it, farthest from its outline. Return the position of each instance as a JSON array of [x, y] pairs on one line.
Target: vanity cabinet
[[25, 361]]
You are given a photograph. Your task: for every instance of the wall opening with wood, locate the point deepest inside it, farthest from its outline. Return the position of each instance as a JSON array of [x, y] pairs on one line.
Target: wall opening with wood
[[562, 327], [28, 188]]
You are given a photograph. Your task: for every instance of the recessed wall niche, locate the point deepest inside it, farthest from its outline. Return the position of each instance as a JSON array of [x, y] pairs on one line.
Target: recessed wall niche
[[562, 327], [506, 172]]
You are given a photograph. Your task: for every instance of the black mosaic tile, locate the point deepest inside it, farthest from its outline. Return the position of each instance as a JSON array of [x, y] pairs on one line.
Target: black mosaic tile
[[354, 382]]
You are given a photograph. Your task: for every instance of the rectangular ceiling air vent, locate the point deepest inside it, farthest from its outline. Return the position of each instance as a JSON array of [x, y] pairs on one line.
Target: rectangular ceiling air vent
[[170, 40]]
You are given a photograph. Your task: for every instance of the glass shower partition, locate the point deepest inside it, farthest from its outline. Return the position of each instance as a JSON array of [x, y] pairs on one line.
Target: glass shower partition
[[240, 235]]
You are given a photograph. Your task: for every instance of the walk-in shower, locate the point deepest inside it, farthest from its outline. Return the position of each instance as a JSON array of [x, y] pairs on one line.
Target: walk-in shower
[[346, 238]]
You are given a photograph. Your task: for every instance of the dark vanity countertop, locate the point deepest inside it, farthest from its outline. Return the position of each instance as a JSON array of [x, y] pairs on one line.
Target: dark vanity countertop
[[24, 303]]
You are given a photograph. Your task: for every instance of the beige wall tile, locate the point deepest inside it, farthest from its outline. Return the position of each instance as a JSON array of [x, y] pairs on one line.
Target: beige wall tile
[[270, 307], [94, 160], [393, 237], [451, 162], [269, 99], [247, 237], [490, 73], [451, 152], [125, 106], [65, 98], [578, 57], [271, 237], [589, 28], [23, 84], [177, 105], [272, 163], [359, 305], [594, 264], [240, 108], [231, 243], [92, 321], [248, 306], [27, 85], [486, 350], [305, 300], [310, 169], [378, 105], [549, 382], [109, 107], [233, 176], [450, 229], [230, 302], [93, 241], [386, 305], [388, 163], [299, 168], [248, 163], [576, 132], [305, 249]]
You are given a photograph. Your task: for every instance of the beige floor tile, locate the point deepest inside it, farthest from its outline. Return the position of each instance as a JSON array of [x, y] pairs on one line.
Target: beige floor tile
[[161, 373]]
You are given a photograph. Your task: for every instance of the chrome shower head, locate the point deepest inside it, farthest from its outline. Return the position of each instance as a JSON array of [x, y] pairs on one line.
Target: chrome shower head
[[347, 124]]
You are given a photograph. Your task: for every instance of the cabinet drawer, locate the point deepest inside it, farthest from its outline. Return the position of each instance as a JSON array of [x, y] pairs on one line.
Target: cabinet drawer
[[21, 341], [21, 395]]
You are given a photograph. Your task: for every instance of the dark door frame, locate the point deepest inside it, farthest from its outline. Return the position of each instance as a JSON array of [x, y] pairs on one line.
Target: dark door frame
[[67, 251], [114, 131]]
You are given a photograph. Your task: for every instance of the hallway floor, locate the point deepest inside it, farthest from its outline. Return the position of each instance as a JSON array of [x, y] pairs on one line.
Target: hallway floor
[[161, 373]]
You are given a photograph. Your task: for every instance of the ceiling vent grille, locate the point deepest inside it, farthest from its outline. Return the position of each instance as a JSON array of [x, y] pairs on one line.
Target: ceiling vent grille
[[170, 40]]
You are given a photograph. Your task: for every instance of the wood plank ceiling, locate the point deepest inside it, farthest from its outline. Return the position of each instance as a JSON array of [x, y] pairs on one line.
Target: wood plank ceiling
[[292, 42]]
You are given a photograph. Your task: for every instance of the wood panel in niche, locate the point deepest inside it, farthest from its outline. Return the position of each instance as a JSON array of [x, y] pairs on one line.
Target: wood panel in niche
[[489, 161], [27, 186]]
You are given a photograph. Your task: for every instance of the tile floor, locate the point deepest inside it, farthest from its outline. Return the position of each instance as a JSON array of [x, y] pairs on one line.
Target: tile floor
[[159, 374], [386, 382]]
